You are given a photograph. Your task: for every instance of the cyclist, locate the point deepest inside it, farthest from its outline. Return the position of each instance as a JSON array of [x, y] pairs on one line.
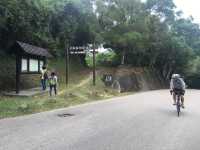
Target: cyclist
[[177, 84]]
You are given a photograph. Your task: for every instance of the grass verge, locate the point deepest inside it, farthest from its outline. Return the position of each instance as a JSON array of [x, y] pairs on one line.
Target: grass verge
[[78, 92]]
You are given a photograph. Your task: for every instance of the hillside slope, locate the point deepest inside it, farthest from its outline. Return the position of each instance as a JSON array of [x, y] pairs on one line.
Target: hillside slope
[[128, 78]]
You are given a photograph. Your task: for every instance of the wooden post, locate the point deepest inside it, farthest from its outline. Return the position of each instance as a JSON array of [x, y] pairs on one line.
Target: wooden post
[[18, 73], [39, 65], [123, 57], [28, 64], [67, 65], [45, 61], [94, 65]]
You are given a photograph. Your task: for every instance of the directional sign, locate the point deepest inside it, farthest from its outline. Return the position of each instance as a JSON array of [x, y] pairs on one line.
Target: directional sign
[[78, 50], [81, 50]]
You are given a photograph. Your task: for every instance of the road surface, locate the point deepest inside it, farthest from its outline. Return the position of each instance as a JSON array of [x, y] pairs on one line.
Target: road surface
[[144, 121]]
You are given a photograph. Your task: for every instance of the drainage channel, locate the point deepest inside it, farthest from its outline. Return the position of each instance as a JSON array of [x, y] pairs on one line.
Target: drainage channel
[[66, 115]]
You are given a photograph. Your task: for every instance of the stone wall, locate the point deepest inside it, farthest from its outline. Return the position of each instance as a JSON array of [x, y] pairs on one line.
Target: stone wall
[[127, 78]]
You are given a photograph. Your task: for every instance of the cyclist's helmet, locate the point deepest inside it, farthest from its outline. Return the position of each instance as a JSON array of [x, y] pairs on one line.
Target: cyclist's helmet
[[176, 76]]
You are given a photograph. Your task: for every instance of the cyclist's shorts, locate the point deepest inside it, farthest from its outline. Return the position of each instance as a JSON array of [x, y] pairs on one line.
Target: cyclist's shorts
[[178, 91]]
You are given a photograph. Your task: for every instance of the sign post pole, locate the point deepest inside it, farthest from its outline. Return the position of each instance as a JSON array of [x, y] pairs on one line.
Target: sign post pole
[[67, 65], [94, 65]]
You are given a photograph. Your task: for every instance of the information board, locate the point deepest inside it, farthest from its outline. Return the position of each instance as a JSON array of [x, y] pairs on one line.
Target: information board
[[33, 65], [24, 65]]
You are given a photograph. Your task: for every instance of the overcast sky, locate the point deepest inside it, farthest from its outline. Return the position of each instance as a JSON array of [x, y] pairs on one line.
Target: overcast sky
[[189, 8]]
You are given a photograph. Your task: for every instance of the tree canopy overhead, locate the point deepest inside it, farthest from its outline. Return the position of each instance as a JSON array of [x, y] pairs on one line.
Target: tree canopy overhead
[[147, 33]]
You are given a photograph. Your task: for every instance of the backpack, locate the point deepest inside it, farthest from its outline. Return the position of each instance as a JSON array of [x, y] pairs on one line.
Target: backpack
[[45, 75], [178, 84], [52, 80]]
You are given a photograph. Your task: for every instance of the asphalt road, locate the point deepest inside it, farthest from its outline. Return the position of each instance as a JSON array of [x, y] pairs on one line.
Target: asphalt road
[[144, 121]]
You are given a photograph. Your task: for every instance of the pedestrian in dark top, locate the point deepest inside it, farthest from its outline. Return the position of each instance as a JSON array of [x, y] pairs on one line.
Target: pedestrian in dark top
[[44, 77]]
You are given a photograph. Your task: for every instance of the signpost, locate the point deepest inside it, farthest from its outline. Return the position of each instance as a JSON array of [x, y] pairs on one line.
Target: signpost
[[80, 50], [67, 65], [94, 65]]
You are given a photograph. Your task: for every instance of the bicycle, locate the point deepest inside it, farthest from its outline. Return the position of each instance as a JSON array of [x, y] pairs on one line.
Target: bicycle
[[178, 103]]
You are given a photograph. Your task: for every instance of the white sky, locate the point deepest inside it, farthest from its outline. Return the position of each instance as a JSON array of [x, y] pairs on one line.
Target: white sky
[[189, 8]]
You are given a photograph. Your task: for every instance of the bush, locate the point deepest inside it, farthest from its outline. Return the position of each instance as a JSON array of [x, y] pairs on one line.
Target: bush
[[7, 73], [192, 72], [108, 58]]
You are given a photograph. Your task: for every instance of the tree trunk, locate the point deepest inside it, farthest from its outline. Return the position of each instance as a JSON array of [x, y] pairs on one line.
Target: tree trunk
[[164, 70], [169, 73]]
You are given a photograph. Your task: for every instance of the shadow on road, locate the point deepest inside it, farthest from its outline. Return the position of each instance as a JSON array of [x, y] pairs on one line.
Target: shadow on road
[[173, 112]]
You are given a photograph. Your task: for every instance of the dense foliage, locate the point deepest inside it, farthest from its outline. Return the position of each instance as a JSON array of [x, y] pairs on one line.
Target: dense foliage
[[150, 33], [48, 23], [107, 59]]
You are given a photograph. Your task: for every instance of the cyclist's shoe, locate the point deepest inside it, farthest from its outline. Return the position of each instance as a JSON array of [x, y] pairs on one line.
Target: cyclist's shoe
[[182, 106], [174, 103]]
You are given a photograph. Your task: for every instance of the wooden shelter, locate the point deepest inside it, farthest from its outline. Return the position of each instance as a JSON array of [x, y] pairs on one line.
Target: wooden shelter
[[29, 60]]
